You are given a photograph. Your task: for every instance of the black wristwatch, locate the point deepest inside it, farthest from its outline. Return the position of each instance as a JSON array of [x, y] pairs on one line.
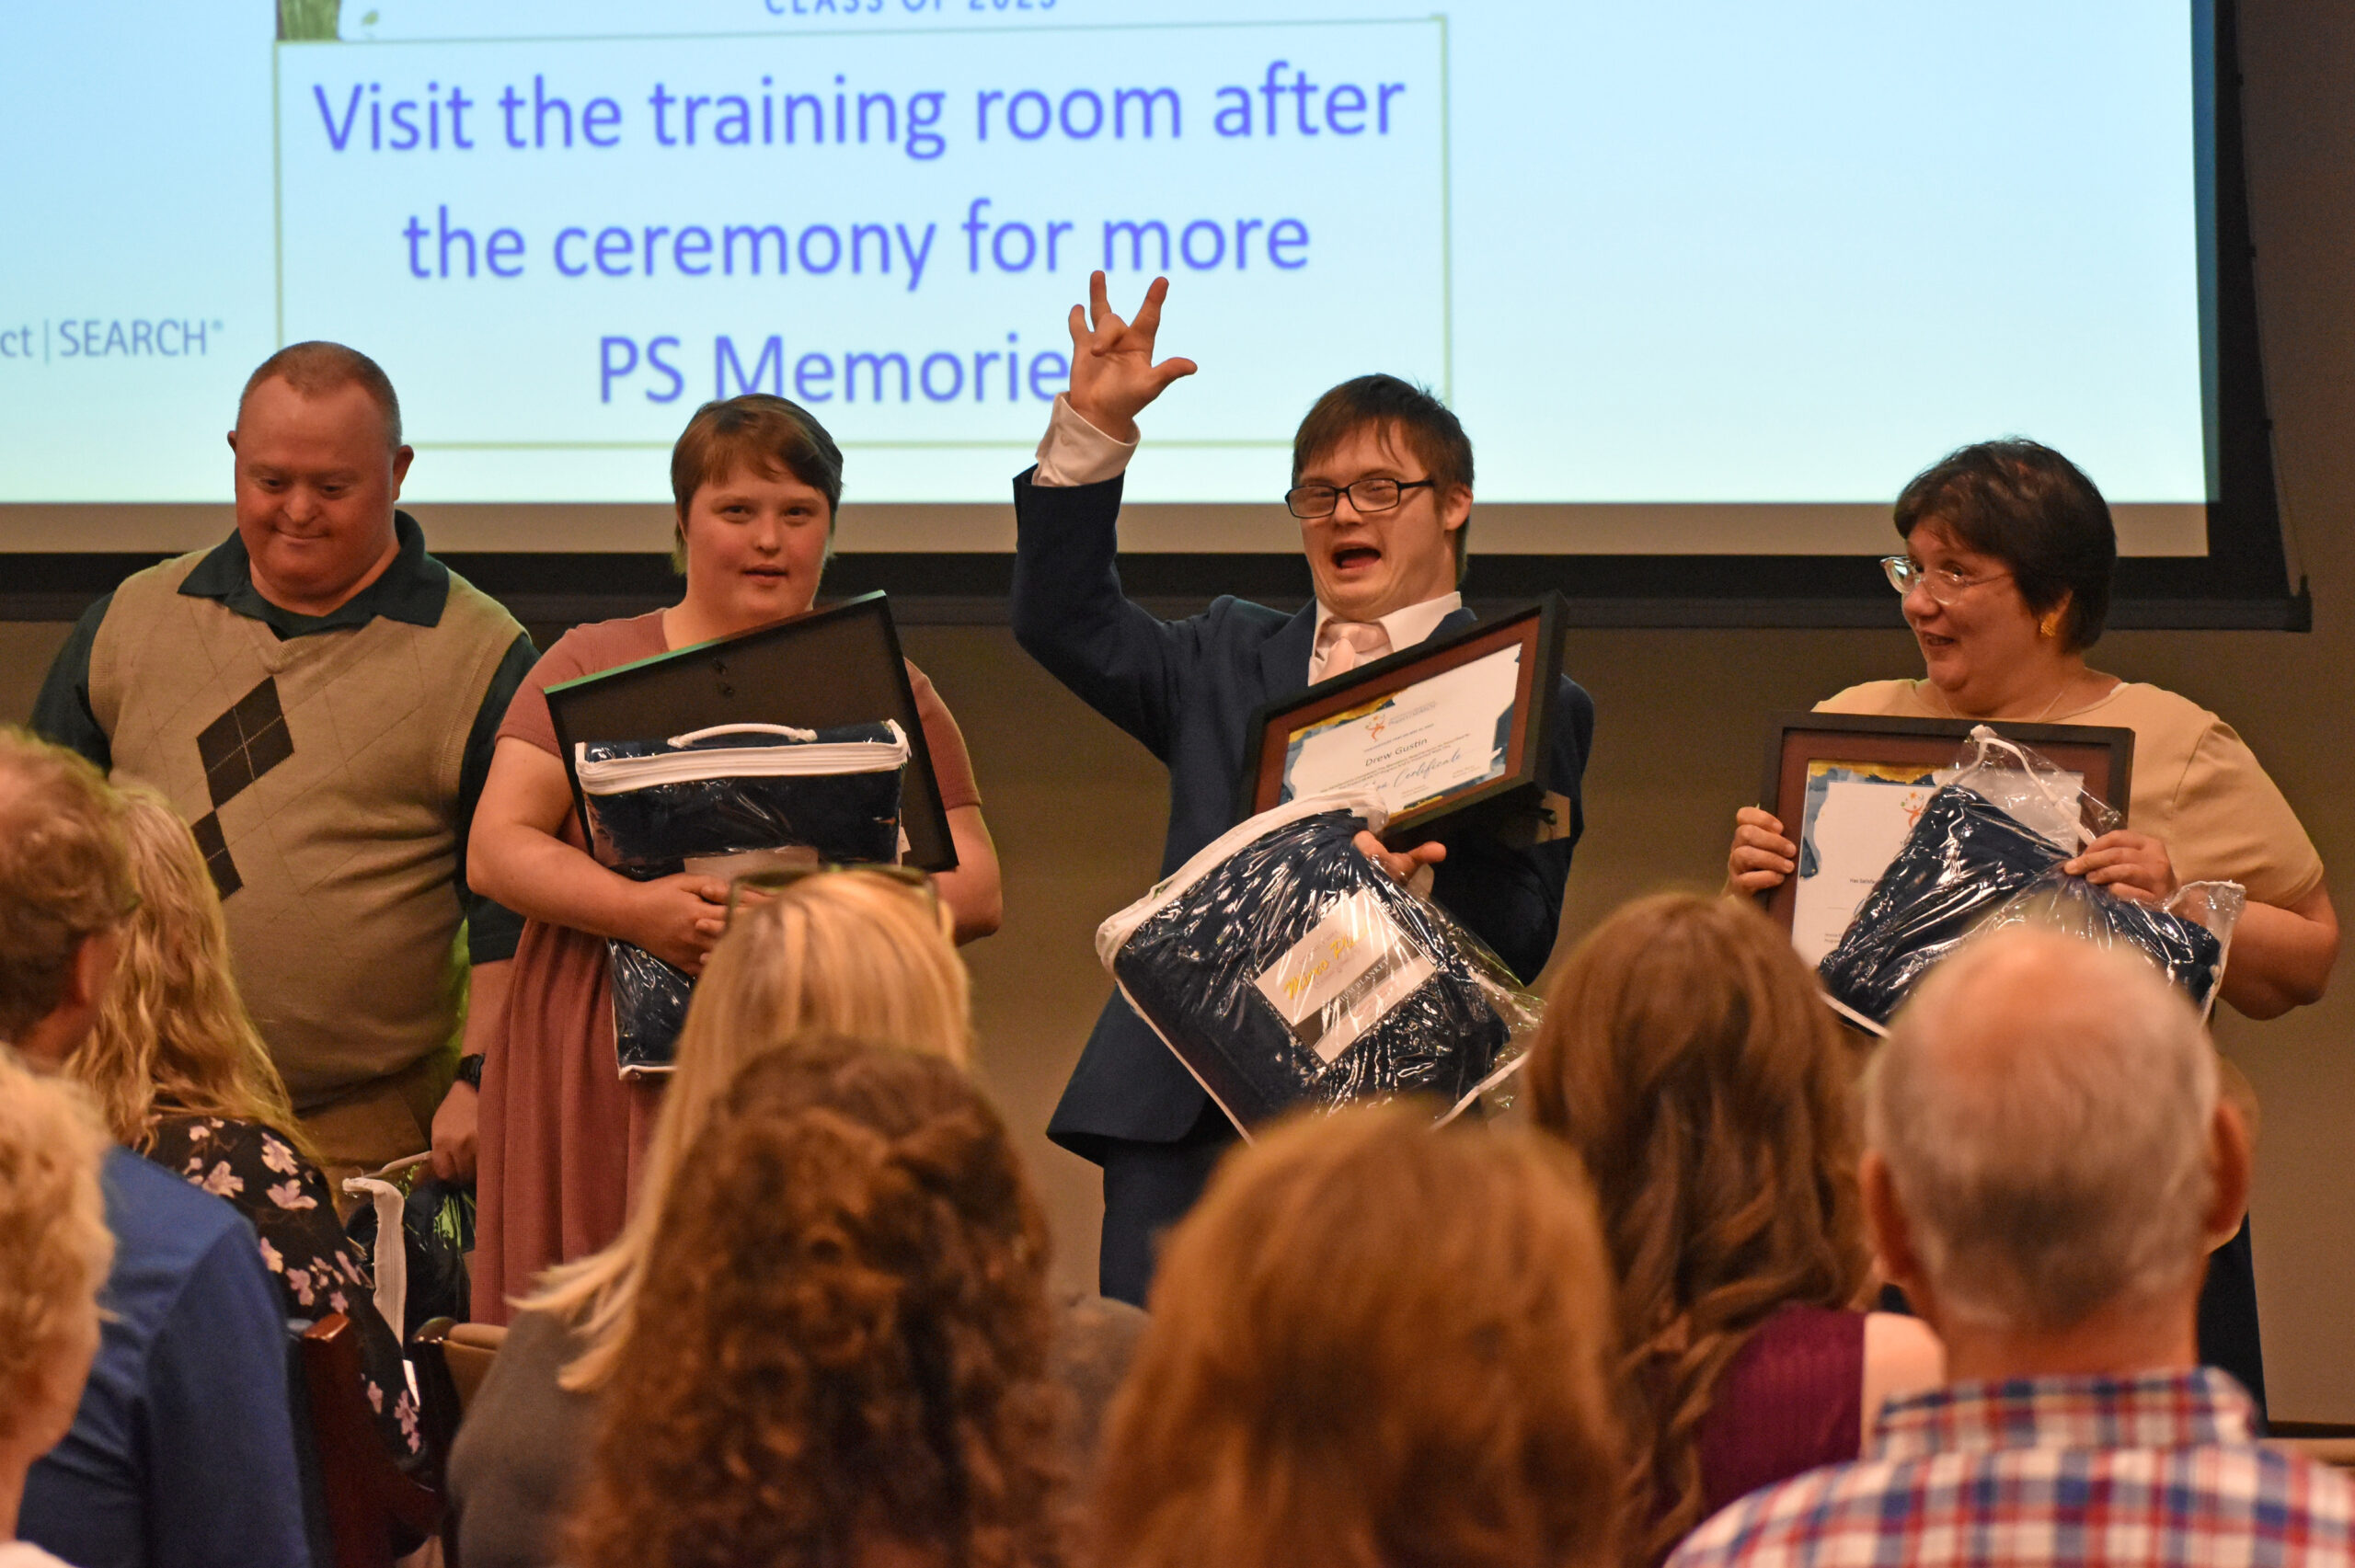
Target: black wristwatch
[[470, 1072]]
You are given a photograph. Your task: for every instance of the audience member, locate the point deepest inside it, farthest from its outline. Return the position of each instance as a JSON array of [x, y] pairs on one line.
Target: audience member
[[53, 1254], [1372, 1344], [1687, 1057], [318, 696], [853, 956], [2048, 1162], [181, 1452], [838, 1353], [183, 1077]]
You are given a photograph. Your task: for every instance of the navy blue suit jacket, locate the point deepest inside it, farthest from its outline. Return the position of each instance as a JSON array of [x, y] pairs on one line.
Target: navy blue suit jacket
[[1188, 690]]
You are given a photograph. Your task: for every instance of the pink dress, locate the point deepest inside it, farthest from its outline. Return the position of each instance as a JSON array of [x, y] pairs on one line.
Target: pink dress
[[563, 1134]]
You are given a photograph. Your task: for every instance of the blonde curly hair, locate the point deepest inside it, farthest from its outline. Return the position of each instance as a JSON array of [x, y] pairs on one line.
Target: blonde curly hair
[[55, 1245], [174, 1035]]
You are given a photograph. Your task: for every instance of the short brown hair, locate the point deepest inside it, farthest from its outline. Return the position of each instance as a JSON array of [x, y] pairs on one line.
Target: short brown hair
[[1688, 1059], [844, 1338], [1372, 1343], [64, 874], [318, 368], [770, 435], [2034, 510], [55, 1245], [1404, 415]]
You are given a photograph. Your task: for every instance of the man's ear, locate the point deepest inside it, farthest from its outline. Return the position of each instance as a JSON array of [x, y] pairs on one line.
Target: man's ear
[[233, 440], [401, 458], [2230, 1163], [1458, 509], [1889, 1229]]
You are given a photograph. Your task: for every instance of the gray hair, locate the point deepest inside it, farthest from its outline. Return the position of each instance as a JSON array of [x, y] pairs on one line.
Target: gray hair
[[2045, 1108]]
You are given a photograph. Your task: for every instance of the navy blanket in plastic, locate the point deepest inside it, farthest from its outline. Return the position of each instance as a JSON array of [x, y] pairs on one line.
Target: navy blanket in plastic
[[1297, 972], [833, 792], [846, 816], [1967, 863]]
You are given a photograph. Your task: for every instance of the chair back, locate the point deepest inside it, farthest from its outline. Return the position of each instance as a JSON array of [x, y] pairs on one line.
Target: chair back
[[452, 1359], [374, 1510]]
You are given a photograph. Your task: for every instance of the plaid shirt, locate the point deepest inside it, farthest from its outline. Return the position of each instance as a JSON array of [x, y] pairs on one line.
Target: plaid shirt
[[2154, 1469]]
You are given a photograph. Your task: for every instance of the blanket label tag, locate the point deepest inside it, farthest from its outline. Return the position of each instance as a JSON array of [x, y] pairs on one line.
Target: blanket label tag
[[1335, 983]]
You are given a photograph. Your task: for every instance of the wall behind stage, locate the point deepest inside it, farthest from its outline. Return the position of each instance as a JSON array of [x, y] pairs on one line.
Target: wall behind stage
[[1079, 808]]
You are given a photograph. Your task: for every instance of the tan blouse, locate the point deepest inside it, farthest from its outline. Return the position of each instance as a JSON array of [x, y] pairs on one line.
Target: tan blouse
[[2197, 787]]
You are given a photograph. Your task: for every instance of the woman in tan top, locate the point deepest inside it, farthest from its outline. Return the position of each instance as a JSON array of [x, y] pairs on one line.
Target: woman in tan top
[[756, 480], [2007, 577], [2009, 552]]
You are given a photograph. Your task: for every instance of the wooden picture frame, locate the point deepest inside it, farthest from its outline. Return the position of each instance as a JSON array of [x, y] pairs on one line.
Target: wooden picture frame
[[841, 665], [1515, 796], [1798, 742]]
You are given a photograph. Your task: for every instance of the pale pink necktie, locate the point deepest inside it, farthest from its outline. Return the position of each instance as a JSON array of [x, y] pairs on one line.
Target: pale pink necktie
[[1347, 644]]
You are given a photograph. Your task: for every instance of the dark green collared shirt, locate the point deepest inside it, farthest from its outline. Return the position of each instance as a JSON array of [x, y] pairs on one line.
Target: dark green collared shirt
[[412, 589]]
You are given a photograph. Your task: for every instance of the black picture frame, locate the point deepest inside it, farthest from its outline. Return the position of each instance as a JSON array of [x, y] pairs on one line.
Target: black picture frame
[[838, 665], [1515, 802], [2103, 753]]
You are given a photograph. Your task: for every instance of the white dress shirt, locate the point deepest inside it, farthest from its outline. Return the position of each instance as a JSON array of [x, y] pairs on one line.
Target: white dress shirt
[[1073, 452]]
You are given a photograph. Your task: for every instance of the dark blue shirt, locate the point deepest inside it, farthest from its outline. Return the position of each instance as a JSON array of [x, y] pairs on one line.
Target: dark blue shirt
[[182, 1453]]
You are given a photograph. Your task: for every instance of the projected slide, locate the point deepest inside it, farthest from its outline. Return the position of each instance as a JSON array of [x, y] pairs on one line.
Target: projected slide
[[1730, 254]]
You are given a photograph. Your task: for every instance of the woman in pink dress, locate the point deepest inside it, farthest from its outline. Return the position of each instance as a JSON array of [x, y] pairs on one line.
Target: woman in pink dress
[[757, 481]]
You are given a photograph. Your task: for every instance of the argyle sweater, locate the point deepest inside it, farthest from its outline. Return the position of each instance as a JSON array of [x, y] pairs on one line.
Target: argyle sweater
[[321, 777]]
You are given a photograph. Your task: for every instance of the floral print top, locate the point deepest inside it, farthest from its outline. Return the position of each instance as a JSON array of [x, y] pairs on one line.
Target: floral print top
[[318, 1267]]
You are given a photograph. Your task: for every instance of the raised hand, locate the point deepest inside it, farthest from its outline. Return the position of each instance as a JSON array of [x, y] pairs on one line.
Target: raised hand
[[1112, 373]]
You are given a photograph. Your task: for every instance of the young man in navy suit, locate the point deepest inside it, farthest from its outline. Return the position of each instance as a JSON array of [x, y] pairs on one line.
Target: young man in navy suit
[[1382, 484]]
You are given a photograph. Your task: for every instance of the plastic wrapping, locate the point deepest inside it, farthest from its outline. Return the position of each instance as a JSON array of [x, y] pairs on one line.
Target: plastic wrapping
[[650, 1000], [723, 799], [1284, 968], [658, 804], [1971, 865]]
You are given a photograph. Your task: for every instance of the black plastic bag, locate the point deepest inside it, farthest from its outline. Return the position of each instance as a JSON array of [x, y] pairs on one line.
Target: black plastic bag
[[437, 1232], [1285, 969]]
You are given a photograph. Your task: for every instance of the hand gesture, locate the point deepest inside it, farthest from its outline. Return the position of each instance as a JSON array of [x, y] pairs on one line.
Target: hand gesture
[[2132, 865], [1403, 867], [678, 918], [1761, 858], [1112, 373]]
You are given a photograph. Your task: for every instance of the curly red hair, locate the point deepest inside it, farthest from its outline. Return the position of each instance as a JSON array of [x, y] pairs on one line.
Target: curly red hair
[[840, 1349]]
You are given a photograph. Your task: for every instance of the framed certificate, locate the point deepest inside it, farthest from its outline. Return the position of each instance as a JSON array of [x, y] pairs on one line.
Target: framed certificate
[[841, 665], [1848, 786], [1451, 725]]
